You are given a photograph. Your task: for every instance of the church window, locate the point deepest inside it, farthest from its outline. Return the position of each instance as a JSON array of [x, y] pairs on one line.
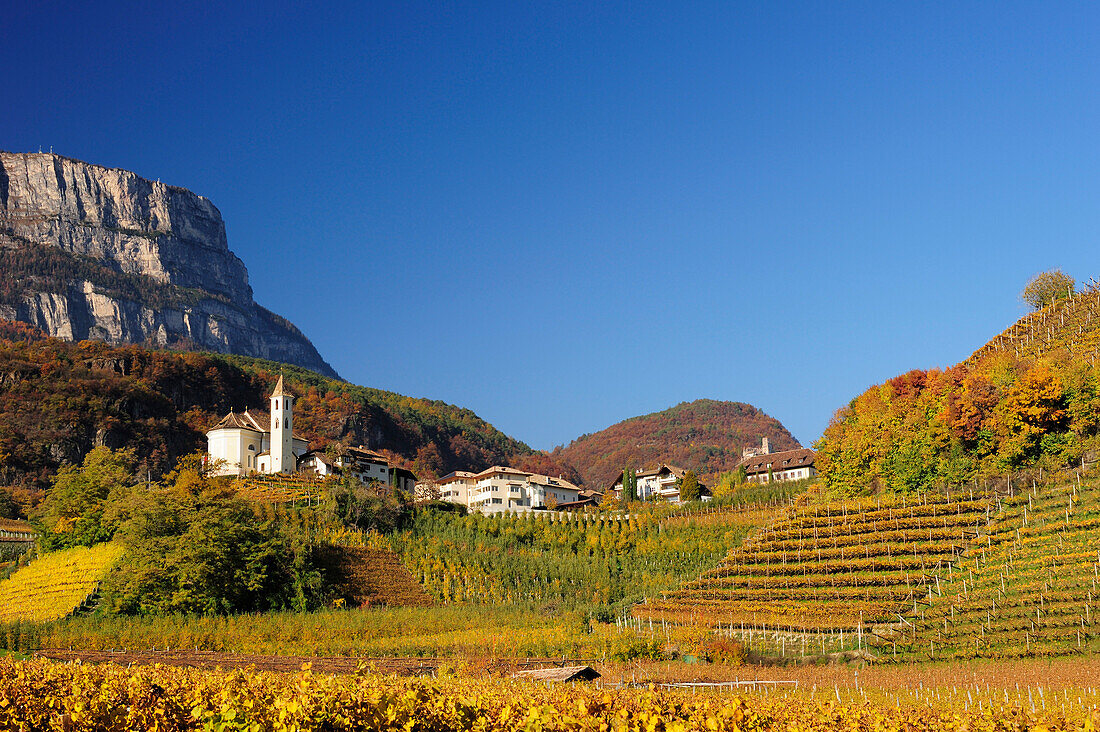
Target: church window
[[276, 403], [286, 423]]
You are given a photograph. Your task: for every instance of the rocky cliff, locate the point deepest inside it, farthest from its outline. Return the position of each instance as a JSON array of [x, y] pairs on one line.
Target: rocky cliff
[[88, 252]]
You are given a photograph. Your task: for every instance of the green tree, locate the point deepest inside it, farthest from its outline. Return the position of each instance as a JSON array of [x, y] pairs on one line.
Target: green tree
[[1046, 287], [690, 490], [193, 546], [367, 507], [9, 508], [630, 485], [73, 512]]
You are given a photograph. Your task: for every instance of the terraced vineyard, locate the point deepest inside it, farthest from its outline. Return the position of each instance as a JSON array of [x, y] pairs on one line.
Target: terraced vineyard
[[1026, 588], [572, 560], [57, 584], [833, 567], [367, 577], [280, 489]]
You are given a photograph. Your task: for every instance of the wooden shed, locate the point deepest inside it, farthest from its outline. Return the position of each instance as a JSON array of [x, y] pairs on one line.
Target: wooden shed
[[568, 673]]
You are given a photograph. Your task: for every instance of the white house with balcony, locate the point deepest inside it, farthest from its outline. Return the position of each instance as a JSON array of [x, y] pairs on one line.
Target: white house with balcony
[[453, 487], [367, 466], [501, 488], [659, 483]]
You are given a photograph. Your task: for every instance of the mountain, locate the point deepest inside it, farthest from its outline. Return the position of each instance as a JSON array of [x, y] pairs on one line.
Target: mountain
[[88, 252], [58, 400], [1028, 398], [704, 435]]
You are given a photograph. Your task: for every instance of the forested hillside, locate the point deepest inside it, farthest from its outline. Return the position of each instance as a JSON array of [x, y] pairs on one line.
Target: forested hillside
[[704, 435], [1031, 396], [58, 400]]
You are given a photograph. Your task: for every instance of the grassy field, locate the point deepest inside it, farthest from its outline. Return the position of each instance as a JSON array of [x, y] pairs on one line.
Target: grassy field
[[826, 568], [571, 560], [804, 580]]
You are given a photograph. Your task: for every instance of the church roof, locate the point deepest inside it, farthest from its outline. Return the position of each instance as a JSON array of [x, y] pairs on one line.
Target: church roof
[[243, 421], [280, 390], [254, 421]]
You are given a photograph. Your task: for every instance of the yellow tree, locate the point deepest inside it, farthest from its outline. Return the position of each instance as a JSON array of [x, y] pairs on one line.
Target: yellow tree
[[1033, 407], [1046, 287]]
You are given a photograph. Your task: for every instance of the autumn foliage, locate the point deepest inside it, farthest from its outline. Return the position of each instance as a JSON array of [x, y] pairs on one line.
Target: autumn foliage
[[58, 400], [1028, 398], [705, 435]]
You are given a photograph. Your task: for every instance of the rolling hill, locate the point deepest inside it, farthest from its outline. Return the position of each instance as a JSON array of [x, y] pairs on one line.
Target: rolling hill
[[1029, 397], [704, 435]]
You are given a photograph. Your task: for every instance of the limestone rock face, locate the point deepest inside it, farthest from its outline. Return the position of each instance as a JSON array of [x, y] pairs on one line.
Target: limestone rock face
[[101, 253]]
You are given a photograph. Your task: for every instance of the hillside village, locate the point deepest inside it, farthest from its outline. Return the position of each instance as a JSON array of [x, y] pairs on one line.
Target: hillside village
[[450, 410], [254, 443], [772, 561], [765, 564]]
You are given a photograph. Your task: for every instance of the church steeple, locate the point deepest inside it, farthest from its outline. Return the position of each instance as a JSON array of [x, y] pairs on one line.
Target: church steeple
[[282, 430], [280, 390]]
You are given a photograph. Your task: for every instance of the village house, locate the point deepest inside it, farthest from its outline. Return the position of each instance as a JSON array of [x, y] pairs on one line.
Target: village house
[[659, 483], [501, 488], [508, 489], [764, 466], [360, 463], [453, 487], [16, 538], [253, 442]]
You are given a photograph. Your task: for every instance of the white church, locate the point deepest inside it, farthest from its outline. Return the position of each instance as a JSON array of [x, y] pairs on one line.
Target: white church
[[254, 442]]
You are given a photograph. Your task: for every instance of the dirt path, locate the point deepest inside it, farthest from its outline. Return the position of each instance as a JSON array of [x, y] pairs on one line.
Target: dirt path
[[319, 664]]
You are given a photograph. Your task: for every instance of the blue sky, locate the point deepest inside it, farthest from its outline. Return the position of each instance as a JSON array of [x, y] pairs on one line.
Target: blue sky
[[561, 215]]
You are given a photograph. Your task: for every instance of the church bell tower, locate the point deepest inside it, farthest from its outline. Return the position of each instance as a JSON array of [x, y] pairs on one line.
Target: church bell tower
[[282, 430]]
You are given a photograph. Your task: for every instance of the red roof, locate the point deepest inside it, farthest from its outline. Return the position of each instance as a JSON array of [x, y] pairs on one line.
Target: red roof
[[777, 461]]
